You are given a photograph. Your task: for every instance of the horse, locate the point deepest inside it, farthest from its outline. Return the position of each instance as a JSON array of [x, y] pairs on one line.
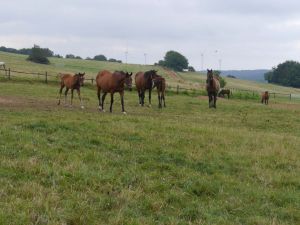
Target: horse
[[265, 98], [143, 82], [160, 83], [108, 82], [212, 88], [73, 82], [224, 92]]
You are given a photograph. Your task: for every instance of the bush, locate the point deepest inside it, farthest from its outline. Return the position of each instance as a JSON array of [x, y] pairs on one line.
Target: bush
[[39, 55]]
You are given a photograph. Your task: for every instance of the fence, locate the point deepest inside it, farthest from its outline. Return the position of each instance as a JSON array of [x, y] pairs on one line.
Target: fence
[[9, 73]]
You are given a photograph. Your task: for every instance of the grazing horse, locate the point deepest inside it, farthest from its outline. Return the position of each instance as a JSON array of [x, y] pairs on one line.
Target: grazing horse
[[212, 88], [108, 82], [160, 83], [224, 92], [143, 82], [71, 82], [265, 98]]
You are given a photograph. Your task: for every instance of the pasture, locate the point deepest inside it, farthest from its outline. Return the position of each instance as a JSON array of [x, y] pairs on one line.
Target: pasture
[[184, 164]]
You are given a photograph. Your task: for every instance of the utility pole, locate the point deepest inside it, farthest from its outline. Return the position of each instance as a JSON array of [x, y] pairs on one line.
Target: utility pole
[[145, 55]]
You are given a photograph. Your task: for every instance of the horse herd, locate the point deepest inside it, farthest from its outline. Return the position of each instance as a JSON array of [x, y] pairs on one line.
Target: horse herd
[[108, 82]]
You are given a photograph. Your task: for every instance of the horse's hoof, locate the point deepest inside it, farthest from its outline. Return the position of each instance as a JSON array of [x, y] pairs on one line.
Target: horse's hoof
[[82, 107], [124, 113], [149, 106]]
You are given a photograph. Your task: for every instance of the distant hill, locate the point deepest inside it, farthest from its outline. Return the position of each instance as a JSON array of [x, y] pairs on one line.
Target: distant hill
[[255, 75]]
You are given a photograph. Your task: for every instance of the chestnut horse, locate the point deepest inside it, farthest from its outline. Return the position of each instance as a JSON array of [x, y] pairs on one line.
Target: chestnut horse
[[108, 82], [160, 83], [71, 82], [265, 98], [143, 82], [212, 87]]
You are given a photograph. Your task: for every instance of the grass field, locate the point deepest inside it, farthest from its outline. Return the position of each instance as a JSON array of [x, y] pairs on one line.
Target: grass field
[[185, 164]]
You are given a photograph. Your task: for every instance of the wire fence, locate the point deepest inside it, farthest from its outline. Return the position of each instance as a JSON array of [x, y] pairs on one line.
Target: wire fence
[[47, 77]]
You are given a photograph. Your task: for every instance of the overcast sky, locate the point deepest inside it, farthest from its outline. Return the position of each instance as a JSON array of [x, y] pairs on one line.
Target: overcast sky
[[241, 34]]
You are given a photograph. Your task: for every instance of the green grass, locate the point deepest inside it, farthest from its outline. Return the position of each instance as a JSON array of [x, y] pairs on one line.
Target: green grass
[[185, 164]]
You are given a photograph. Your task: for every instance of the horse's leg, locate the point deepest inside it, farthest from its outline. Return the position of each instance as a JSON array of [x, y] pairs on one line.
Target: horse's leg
[[209, 100], [122, 101], [103, 98], [139, 94], [163, 97], [150, 97], [111, 101], [215, 100], [66, 93], [143, 96], [81, 104], [159, 99], [99, 98], [60, 92], [72, 93]]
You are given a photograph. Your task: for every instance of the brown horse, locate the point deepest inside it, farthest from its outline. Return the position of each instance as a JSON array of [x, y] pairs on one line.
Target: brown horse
[[108, 82], [212, 88], [224, 92], [160, 83], [73, 82], [143, 82], [265, 98]]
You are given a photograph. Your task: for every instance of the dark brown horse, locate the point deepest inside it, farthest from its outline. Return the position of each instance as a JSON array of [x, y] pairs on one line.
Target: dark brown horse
[[212, 88], [265, 98], [160, 83], [73, 82], [224, 92], [108, 82], [143, 82]]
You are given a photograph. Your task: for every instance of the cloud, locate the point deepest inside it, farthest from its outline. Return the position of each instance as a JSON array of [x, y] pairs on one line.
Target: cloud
[[247, 34]]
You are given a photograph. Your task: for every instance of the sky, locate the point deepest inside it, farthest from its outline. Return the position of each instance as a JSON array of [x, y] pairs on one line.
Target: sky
[[217, 34]]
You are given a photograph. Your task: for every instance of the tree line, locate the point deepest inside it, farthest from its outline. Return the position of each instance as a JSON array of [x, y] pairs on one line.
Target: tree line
[[286, 74]]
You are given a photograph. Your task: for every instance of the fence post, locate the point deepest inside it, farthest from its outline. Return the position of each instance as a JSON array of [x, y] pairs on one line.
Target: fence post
[[290, 96], [92, 81], [9, 73], [46, 77], [177, 91]]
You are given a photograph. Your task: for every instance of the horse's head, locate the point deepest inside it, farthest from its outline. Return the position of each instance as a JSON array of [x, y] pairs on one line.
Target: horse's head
[[128, 80], [81, 78], [126, 77]]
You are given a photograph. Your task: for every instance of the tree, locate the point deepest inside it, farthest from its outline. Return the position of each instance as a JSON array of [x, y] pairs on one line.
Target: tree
[[222, 81], [39, 55], [70, 56], [191, 69], [100, 58], [174, 60], [287, 74]]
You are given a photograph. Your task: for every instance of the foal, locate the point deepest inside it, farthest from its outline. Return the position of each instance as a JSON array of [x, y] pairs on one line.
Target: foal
[[265, 98], [160, 83], [73, 82], [108, 82]]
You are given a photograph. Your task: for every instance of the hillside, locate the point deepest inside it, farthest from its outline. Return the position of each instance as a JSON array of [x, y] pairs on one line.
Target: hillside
[[253, 75]]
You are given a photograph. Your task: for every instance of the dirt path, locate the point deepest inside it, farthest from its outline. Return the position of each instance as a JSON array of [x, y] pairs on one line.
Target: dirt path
[[172, 74]]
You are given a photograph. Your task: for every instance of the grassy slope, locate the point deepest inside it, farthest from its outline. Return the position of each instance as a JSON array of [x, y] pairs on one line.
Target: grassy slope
[[184, 164]]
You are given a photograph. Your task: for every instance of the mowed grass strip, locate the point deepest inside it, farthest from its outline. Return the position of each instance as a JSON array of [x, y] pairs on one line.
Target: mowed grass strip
[[184, 164]]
